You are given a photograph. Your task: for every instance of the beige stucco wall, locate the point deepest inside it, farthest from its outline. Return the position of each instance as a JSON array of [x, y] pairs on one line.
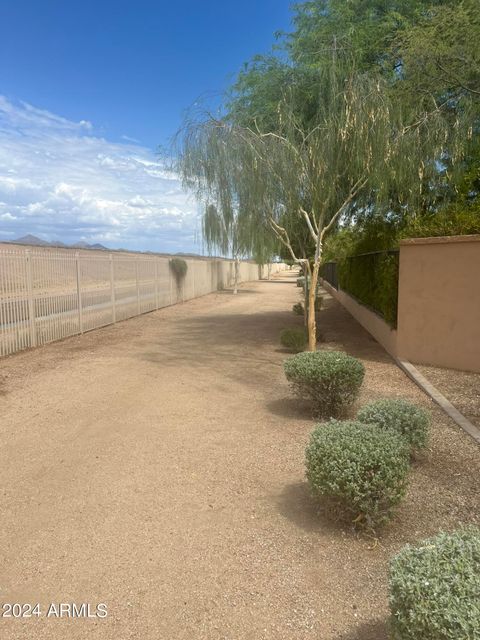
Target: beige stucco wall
[[439, 302]]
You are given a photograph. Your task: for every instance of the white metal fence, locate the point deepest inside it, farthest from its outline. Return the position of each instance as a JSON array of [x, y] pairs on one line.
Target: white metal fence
[[48, 294]]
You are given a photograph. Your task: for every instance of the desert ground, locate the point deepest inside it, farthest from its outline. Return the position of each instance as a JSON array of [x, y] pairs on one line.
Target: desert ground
[[157, 466]]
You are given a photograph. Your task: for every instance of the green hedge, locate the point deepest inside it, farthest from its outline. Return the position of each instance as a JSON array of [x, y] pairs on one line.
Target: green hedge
[[372, 278]]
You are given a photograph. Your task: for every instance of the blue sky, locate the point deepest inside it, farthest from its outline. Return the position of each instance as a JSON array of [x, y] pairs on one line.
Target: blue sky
[[88, 92]]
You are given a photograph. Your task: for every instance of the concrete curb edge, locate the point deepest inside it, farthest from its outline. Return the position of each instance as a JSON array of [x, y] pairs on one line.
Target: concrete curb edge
[[440, 399]]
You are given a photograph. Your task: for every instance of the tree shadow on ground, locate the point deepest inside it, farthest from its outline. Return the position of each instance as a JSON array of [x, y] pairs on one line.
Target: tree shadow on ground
[[206, 334], [377, 630]]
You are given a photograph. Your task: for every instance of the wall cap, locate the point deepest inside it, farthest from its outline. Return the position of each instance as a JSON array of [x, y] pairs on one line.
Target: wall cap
[[414, 374], [441, 240]]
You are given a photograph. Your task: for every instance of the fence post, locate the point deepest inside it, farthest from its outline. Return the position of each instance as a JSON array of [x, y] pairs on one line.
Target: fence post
[[31, 302], [112, 290], [193, 276], [156, 282], [138, 290], [79, 292], [170, 282]]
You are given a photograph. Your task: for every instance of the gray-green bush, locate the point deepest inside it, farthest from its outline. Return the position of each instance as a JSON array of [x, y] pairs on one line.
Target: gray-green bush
[[394, 413], [435, 588], [361, 467], [294, 339], [179, 268], [330, 380], [298, 309]]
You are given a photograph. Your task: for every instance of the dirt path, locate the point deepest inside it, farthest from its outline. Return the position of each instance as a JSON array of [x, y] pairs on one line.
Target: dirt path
[[157, 466]]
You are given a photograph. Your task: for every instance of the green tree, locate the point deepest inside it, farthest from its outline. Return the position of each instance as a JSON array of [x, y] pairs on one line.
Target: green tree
[[295, 176], [427, 53]]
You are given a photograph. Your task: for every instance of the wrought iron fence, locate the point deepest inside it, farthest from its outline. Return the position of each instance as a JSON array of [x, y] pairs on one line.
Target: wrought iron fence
[[329, 273], [372, 278]]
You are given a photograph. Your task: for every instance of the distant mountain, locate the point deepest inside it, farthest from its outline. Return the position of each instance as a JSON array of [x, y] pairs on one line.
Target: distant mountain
[[80, 245], [38, 242], [29, 239], [57, 243]]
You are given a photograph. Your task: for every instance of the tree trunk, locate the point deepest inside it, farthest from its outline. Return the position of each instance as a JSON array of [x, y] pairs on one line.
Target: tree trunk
[[235, 281], [307, 274], [312, 294], [269, 270]]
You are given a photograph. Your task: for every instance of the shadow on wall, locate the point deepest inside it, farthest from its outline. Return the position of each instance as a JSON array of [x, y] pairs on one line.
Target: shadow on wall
[[220, 284]]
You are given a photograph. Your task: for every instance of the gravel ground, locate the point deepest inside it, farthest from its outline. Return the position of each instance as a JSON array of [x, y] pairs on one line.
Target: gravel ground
[[157, 466], [462, 388]]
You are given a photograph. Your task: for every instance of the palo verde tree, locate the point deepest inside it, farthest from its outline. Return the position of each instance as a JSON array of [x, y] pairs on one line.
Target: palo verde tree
[[360, 152], [252, 179], [357, 149], [316, 175]]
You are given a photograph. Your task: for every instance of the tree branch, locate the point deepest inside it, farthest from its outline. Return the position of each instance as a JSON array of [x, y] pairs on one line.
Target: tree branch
[[309, 224], [284, 238], [353, 192]]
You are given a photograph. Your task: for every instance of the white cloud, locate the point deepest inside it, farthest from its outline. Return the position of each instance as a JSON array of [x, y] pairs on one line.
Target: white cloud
[[58, 180]]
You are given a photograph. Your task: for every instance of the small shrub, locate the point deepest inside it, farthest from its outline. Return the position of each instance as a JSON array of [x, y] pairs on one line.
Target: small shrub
[[329, 379], [435, 588], [402, 416], [301, 282], [294, 339], [361, 467], [298, 309], [179, 268]]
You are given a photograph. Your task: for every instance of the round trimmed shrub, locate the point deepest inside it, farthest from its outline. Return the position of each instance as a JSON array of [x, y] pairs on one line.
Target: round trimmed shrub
[[393, 413], [361, 467], [294, 339], [435, 588], [331, 380]]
